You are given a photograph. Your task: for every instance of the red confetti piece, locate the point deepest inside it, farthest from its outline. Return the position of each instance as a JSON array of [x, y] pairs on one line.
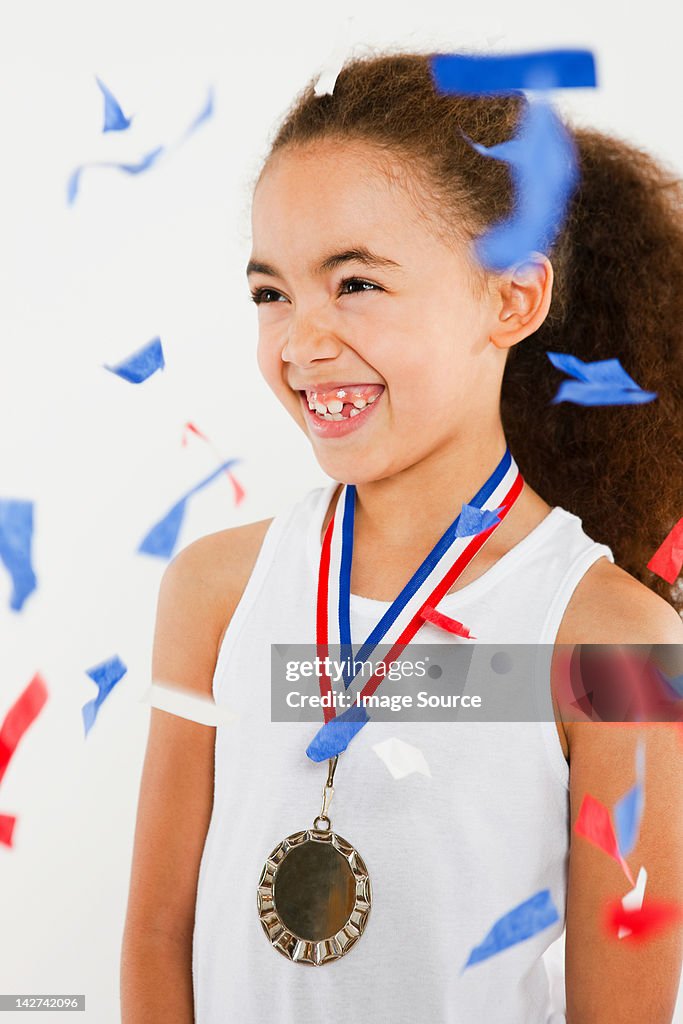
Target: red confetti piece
[[644, 921], [446, 622], [7, 823], [236, 486], [595, 825], [17, 720], [668, 558]]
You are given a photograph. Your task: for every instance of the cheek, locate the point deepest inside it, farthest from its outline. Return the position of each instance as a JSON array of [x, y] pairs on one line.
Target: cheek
[[269, 361]]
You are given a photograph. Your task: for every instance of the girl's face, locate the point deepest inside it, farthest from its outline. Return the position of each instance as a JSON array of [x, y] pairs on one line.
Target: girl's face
[[355, 287]]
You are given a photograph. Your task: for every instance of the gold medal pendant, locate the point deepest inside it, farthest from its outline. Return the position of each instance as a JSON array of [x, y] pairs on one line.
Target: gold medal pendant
[[314, 894]]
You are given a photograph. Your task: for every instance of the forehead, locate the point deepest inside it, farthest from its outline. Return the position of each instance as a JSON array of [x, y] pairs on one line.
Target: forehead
[[334, 187]]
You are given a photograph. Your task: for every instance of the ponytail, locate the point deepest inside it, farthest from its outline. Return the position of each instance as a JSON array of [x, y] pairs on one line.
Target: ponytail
[[618, 292]]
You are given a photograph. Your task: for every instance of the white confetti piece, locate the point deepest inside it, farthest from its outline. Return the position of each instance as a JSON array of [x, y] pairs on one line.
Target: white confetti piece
[[187, 704], [401, 758], [633, 900], [334, 63]]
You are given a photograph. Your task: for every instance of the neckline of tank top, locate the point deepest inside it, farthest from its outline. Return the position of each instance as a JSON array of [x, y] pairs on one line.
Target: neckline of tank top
[[470, 590]]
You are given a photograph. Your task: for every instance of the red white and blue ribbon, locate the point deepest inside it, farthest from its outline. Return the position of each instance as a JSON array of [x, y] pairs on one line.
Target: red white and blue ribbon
[[435, 577]]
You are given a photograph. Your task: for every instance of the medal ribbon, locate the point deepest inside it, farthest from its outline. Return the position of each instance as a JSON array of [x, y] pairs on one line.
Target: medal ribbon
[[404, 617]]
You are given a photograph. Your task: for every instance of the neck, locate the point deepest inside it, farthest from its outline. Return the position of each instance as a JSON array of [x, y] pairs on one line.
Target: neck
[[415, 506]]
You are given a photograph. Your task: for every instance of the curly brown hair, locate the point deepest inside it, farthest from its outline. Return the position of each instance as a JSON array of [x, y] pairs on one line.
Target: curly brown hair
[[618, 289]]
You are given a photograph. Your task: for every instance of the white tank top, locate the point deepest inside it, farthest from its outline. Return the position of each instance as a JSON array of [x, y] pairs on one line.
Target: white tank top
[[448, 852]]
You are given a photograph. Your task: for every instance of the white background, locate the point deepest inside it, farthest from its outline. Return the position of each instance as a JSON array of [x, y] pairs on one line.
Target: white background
[[163, 253]]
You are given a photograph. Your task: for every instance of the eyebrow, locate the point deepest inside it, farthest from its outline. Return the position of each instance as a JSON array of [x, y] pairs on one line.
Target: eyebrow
[[359, 254]]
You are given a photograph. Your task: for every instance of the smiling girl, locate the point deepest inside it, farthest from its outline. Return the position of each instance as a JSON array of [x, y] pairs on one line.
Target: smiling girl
[[421, 382]]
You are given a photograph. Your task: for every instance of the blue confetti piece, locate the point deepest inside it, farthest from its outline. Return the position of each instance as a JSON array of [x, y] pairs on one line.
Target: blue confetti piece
[[146, 161], [162, 538], [525, 920], [205, 113], [142, 364], [603, 382], [335, 735], [473, 520], [114, 118], [143, 164], [16, 535], [540, 69], [544, 169], [628, 811], [72, 185], [675, 683], [106, 675]]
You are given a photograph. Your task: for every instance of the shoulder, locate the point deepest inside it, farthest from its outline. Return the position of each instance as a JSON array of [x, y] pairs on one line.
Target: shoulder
[[202, 585], [609, 606], [219, 560]]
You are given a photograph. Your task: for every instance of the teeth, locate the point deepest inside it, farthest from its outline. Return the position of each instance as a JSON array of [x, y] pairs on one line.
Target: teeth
[[333, 409]]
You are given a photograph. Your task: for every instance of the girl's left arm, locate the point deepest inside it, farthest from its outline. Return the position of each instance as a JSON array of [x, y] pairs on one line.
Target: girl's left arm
[[610, 980]]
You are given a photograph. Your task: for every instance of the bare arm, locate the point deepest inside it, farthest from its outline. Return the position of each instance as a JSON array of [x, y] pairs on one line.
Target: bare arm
[[610, 981], [175, 801]]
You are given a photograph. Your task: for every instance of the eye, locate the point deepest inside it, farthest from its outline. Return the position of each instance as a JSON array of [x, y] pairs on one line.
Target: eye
[[258, 295], [356, 280]]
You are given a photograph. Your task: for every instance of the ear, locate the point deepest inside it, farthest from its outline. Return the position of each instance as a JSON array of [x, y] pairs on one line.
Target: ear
[[521, 300]]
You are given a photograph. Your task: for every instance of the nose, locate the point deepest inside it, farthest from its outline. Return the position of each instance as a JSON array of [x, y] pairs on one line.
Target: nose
[[310, 336]]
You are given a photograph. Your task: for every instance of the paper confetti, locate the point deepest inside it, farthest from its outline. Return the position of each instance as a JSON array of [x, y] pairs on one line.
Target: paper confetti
[[187, 704], [163, 537], [667, 560], [604, 382], [20, 716], [594, 824], [240, 493], [16, 535], [401, 758], [544, 169], [145, 162], [446, 622], [628, 811], [328, 76], [525, 920], [142, 364], [114, 118], [613, 685], [540, 69], [335, 735], [673, 684], [106, 675], [205, 113], [474, 520], [633, 900], [643, 923], [7, 823]]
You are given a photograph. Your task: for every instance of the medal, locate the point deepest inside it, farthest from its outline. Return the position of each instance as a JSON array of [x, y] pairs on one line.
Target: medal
[[314, 893]]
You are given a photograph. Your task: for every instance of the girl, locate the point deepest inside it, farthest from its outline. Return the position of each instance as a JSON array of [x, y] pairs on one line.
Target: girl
[[420, 379]]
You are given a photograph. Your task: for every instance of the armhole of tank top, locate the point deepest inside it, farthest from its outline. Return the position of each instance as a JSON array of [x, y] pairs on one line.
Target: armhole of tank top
[[251, 590], [549, 631]]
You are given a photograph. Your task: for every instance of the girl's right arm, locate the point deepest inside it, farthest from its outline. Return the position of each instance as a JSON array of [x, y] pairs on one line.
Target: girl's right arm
[[199, 591]]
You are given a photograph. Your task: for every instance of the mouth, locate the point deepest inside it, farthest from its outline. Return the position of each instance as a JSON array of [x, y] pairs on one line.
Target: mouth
[[333, 411]]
